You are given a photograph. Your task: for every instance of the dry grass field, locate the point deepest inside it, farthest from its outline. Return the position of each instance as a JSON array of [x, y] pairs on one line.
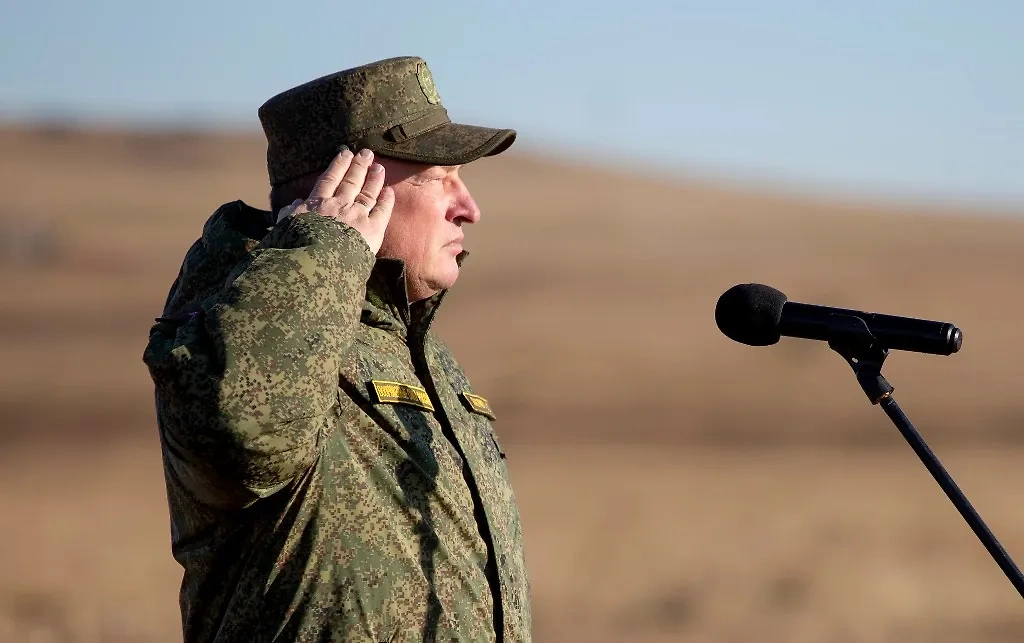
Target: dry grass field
[[675, 486]]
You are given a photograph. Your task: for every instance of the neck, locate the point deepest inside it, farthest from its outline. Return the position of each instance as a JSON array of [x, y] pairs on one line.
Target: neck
[[388, 290]]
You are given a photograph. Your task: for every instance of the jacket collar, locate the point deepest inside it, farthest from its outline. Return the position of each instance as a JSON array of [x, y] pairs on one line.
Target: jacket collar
[[387, 304]]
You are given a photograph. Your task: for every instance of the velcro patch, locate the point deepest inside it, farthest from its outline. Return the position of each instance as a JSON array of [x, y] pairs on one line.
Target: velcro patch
[[398, 393], [478, 404]]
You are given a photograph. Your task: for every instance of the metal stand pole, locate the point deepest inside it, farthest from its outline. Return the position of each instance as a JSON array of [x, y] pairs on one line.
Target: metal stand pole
[[851, 338]]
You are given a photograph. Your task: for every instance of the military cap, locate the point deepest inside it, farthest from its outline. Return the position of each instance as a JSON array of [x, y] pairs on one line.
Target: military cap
[[390, 106]]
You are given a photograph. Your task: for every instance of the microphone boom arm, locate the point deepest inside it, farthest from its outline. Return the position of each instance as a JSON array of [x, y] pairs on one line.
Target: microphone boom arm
[[852, 339]]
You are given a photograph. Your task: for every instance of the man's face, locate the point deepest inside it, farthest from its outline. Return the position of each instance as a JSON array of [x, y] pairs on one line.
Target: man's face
[[431, 205]]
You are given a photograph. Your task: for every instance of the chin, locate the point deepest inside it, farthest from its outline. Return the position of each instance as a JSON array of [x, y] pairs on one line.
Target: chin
[[445, 279]]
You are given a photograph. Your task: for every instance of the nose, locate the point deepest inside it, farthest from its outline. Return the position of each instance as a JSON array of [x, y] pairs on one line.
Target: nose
[[464, 208]]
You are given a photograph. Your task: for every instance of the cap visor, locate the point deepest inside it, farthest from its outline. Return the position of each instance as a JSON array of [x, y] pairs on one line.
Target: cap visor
[[451, 144]]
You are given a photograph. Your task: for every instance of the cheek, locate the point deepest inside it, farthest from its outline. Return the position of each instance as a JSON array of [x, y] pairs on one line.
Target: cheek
[[411, 229], [424, 213]]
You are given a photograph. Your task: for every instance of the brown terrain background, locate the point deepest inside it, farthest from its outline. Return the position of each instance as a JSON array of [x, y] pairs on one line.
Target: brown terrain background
[[674, 485]]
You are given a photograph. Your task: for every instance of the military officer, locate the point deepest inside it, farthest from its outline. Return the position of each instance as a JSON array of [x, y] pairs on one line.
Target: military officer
[[332, 474]]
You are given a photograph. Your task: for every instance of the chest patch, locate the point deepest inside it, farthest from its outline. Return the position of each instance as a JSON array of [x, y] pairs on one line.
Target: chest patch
[[398, 393], [478, 404]]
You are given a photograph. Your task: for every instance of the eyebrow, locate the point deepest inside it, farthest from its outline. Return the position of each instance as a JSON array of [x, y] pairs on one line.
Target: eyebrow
[[444, 170]]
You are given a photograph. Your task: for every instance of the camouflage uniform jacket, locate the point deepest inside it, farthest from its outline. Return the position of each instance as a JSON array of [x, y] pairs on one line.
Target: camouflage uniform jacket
[[331, 474]]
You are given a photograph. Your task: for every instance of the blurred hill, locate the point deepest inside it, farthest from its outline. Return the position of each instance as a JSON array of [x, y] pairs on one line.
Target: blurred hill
[[586, 308], [674, 485]]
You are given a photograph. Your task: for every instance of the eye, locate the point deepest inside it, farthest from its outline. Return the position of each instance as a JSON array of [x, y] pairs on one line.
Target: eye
[[429, 178]]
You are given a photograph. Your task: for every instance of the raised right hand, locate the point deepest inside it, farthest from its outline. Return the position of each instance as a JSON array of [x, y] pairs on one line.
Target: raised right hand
[[351, 190]]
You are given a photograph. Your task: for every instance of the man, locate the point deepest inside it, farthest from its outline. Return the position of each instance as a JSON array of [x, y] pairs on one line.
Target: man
[[332, 475]]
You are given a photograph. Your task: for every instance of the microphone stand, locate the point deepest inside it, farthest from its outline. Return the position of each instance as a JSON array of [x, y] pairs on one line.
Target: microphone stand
[[850, 337]]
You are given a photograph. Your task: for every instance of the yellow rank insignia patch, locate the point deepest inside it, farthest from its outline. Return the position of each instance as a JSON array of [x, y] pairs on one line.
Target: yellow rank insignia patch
[[398, 393], [478, 404]]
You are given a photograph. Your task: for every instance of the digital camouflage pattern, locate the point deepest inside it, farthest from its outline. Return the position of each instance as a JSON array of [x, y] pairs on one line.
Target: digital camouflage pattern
[[313, 495], [390, 106]]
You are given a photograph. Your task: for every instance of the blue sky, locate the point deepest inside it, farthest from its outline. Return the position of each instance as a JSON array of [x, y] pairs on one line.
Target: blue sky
[[899, 98]]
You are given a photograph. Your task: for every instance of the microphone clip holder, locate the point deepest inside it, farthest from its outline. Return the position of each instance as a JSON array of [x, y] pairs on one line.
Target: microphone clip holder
[[850, 337]]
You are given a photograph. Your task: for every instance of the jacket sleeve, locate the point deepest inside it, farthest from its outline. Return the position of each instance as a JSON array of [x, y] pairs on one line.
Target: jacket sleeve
[[246, 383]]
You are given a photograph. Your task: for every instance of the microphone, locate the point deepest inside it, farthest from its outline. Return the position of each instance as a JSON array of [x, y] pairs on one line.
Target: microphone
[[759, 315]]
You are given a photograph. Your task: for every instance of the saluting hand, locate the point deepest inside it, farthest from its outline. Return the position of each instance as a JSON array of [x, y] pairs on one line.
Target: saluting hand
[[351, 190]]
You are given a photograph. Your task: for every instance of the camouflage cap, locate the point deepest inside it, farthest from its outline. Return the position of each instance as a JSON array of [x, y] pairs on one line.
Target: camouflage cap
[[390, 106]]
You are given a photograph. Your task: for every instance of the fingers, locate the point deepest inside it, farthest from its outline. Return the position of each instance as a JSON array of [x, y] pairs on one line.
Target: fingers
[[371, 188], [385, 203], [351, 190], [332, 176], [355, 176]]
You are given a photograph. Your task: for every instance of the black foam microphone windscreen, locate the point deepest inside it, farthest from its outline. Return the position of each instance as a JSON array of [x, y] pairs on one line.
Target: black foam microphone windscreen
[[750, 314]]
